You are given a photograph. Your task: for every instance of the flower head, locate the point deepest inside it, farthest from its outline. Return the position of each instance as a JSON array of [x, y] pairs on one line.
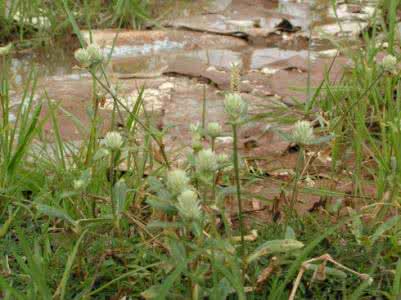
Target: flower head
[[113, 140], [214, 129], [206, 161], [303, 133], [188, 205], [196, 143], [389, 63], [235, 107], [79, 184], [177, 181], [90, 56], [95, 54], [82, 56]]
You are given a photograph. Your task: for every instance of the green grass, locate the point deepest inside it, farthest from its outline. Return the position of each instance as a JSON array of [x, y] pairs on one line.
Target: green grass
[[74, 225]]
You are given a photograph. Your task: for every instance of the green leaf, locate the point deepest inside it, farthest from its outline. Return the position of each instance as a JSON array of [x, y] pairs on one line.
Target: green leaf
[[274, 246], [329, 271], [161, 205], [55, 213], [397, 280], [160, 224], [61, 289], [165, 287], [384, 227], [120, 196], [290, 233]]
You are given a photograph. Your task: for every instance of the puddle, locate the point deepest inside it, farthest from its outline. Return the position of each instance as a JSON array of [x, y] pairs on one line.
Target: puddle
[[57, 62], [156, 65], [156, 47]]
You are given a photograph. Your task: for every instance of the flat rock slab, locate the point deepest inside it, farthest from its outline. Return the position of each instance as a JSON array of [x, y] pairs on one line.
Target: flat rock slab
[[220, 24], [128, 43]]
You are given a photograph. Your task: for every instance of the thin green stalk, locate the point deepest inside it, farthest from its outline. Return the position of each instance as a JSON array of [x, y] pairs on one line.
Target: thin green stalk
[[298, 171], [111, 175], [238, 187], [93, 131], [204, 108]]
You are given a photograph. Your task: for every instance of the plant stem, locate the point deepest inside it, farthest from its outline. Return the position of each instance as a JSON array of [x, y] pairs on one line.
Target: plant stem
[[298, 172], [93, 132], [238, 187], [204, 108], [111, 172]]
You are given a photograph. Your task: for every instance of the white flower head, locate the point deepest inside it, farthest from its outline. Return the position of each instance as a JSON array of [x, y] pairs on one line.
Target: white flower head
[[303, 133], [90, 56], [82, 56], [79, 184], [214, 129], [196, 143], [113, 140], [389, 63], [177, 181], [95, 54], [188, 205], [206, 161], [235, 107]]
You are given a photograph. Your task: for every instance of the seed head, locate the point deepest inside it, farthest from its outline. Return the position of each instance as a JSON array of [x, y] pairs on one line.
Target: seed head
[[235, 107], [214, 129], [196, 143], [95, 54], [206, 161], [188, 205], [389, 63], [113, 140], [235, 79], [79, 184], [91, 56], [303, 133], [82, 56], [177, 181]]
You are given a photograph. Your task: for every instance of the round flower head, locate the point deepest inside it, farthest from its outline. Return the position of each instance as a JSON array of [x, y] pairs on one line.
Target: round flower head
[[113, 140], [177, 181], [188, 205], [79, 184], [303, 133], [82, 56], [6, 49], [196, 143], [95, 54], [235, 107], [206, 161], [214, 129], [389, 63]]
